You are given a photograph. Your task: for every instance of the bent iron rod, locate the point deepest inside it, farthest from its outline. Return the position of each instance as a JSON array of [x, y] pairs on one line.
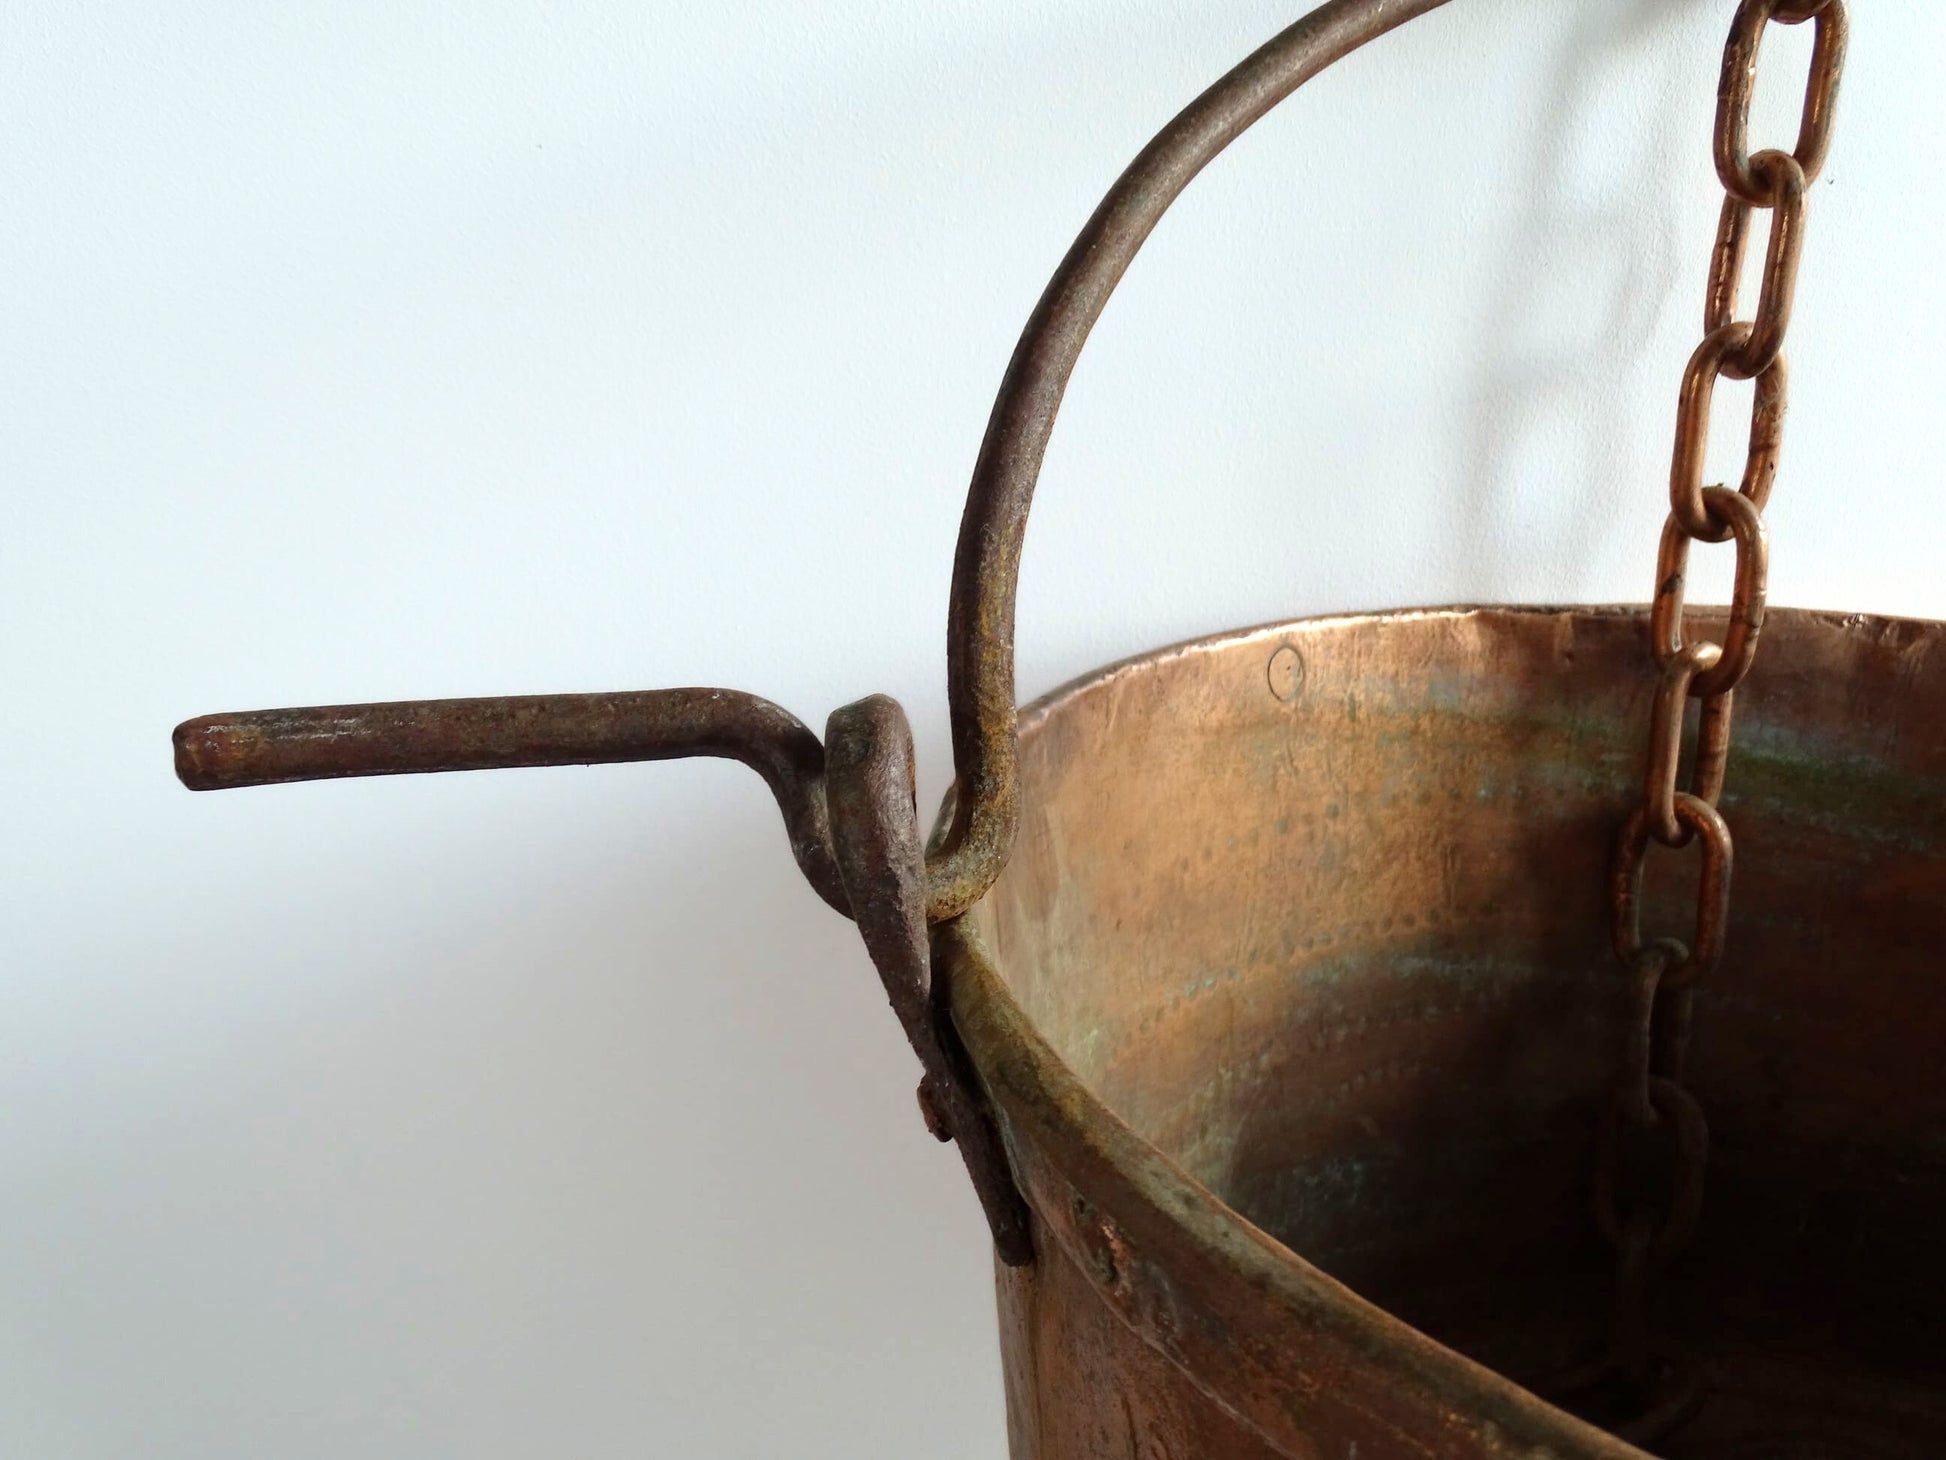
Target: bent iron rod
[[852, 820], [409, 737]]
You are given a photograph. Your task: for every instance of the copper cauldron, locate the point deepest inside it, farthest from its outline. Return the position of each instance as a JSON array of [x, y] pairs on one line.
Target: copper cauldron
[[1265, 982]]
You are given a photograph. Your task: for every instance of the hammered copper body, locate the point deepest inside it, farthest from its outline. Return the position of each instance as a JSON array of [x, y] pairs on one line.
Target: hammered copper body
[[1297, 1006]]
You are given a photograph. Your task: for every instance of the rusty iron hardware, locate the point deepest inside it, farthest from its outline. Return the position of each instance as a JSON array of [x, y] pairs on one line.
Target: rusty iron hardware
[[847, 806], [1225, 1205], [1649, 1095]]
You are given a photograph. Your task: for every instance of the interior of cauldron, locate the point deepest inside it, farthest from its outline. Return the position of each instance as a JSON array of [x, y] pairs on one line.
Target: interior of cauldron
[[1321, 910]]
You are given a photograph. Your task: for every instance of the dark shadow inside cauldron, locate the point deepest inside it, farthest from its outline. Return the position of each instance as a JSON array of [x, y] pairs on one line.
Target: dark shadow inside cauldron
[[1345, 958]]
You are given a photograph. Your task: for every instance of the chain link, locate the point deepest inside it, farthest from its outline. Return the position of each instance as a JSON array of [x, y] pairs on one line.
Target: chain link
[[1740, 79], [1702, 954], [1652, 1148], [1711, 360], [1786, 183]]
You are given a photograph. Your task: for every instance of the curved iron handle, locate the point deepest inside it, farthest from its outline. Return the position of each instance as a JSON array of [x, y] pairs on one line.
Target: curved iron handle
[[986, 565], [847, 804]]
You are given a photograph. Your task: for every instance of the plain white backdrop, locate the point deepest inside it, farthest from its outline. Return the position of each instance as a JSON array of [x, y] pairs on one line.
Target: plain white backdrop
[[377, 351]]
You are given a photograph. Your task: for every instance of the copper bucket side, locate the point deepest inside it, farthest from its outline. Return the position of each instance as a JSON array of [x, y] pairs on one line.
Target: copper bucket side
[[1302, 944]]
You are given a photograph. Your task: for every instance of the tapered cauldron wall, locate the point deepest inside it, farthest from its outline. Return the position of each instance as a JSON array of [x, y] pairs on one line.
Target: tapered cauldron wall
[[1283, 992], [1269, 985]]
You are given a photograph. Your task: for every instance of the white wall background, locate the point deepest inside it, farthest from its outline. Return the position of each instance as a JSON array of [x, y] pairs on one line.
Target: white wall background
[[365, 351]]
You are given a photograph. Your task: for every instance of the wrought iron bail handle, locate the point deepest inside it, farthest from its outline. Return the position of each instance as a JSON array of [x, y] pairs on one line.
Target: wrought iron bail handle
[[986, 565]]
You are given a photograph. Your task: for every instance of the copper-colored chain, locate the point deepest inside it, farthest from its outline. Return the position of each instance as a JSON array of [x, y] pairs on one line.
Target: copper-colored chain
[[1654, 1142]]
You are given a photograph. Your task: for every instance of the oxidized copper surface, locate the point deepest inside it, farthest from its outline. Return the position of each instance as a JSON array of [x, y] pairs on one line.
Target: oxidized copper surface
[[1299, 977]]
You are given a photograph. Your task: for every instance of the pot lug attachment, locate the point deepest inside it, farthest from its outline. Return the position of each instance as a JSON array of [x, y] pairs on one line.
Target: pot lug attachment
[[849, 810]]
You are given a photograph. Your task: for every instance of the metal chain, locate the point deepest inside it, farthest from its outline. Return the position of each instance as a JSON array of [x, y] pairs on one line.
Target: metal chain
[[1654, 1141]]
